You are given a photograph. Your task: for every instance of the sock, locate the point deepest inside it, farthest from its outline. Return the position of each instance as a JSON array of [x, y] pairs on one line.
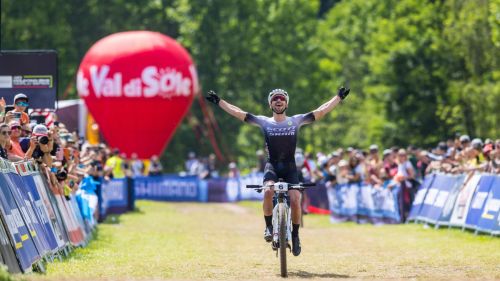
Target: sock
[[269, 221], [295, 230]]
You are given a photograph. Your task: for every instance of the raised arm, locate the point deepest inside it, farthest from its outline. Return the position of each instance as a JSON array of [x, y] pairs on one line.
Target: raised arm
[[229, 108], [330, 105]]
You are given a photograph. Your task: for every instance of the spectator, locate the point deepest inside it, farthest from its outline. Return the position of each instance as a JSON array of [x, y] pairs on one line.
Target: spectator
[[233, 170], [464, 142], [390, 166], [406, 176], [332, 170], [15, 146], [40, 146], [422, 164], [19, 114], [374, 166], [495, 158], [344, 171], [405, 168], [309, 167], [212, 166], [192, 164], [137, 166], [114, 166], [355, 170], [4, 139], [155, 167], [473, 155]]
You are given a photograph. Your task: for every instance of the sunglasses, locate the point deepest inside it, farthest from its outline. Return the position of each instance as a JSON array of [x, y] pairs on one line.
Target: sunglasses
[[277, 98], [22, 103], [15, 128], [6, 133]]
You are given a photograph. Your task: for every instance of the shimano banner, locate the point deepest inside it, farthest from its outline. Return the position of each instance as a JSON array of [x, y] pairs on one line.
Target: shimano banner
[[33, 73], [171, 188]]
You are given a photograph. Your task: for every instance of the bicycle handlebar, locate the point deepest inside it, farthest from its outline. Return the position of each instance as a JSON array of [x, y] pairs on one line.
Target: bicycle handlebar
[[291, 186]]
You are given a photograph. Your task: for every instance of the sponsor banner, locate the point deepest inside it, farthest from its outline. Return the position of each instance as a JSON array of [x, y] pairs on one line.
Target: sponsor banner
[[52, 212], [366, 206], [365, 203], [436, 198], [418, 202], [27, 211], [23, 244], [489, 221], [74, 209], [317, 196], [40, 210], [334, 202], [349, 196], [7, 255], [478, 200], [171, 188], [462, 203], [444, 219], [114, 196], [218, 190], [389, 202], [33, 73], [248, 193]]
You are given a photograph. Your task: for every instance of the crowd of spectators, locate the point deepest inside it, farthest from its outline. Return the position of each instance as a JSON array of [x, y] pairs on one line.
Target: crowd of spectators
[[410, 165], [69, 162], [406, 167]]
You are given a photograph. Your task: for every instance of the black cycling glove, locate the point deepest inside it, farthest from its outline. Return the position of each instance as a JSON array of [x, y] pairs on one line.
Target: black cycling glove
[[213, 97], [343, 92]]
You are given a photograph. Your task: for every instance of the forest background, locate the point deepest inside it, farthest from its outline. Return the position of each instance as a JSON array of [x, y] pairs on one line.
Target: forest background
[[419, 71]]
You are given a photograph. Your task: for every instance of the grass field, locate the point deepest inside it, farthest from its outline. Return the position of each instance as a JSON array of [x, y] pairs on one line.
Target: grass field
[[224, 241]]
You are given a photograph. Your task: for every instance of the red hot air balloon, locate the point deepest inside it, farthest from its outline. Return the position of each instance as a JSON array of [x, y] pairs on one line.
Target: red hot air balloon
[[138, 85]]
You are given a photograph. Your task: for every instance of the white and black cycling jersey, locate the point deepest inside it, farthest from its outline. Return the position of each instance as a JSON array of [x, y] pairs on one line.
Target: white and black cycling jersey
[[280, 137]]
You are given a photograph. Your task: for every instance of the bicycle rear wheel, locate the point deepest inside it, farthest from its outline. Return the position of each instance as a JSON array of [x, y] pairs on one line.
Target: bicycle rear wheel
[[282, 215]]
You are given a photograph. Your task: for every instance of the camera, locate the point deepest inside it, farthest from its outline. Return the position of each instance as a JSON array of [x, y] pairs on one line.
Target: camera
[[61, 175], [43, 140]]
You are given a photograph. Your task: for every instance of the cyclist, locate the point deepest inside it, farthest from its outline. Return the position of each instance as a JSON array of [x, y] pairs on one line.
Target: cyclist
[[280, 133]]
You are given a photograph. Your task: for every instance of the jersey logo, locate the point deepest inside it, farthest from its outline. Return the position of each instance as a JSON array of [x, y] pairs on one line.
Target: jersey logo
[[289, 123]]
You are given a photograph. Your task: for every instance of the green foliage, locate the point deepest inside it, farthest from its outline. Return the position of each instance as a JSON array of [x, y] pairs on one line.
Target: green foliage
[[419, 70]]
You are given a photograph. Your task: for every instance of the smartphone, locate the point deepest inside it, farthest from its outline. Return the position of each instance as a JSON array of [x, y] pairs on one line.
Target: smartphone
[[17, 115]]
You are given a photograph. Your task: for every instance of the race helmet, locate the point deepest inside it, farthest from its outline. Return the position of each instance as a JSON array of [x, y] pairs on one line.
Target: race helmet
[[277, 92]]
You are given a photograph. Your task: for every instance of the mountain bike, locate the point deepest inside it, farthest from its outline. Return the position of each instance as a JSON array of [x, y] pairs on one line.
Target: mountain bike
[[282, 222]]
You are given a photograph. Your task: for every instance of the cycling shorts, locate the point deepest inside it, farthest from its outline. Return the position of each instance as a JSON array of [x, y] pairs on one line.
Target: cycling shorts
[[287, 171]]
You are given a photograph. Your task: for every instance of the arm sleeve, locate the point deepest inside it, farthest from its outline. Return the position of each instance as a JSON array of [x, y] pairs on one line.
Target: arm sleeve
[[304, 119], [252, 119]]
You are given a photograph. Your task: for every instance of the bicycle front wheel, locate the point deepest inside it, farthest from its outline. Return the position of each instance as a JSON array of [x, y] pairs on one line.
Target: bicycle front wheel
[[282, 215]]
